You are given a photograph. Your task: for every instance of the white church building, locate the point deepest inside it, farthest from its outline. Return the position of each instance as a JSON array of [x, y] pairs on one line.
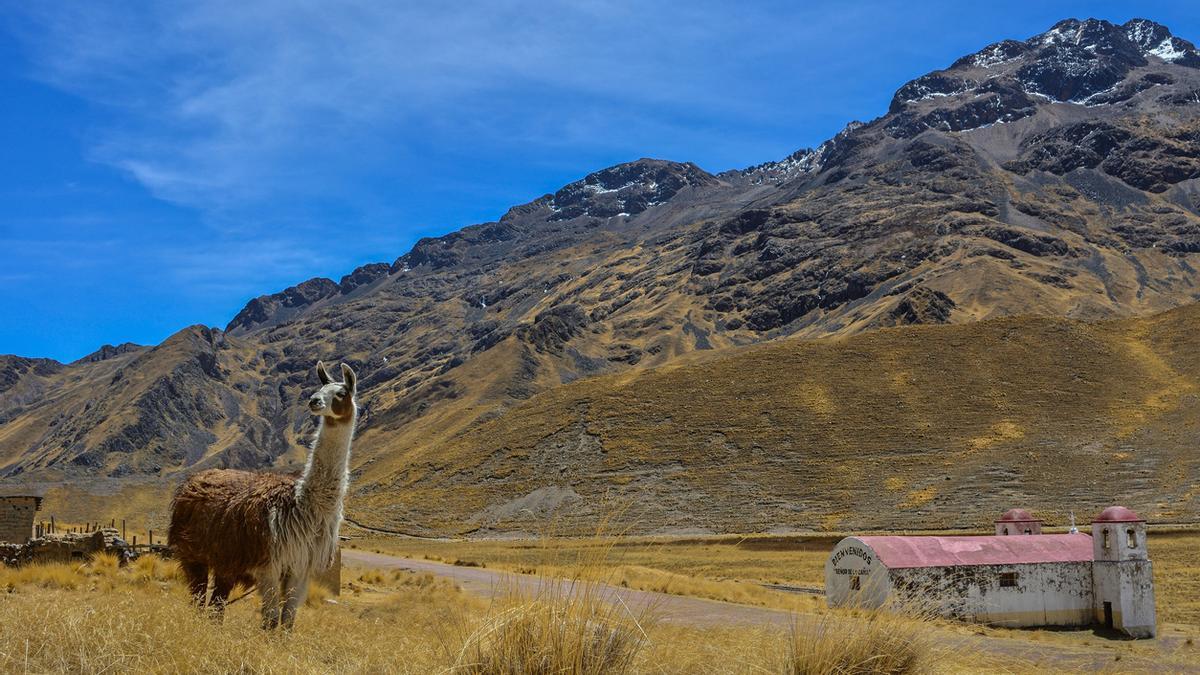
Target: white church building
[[1018, 577]]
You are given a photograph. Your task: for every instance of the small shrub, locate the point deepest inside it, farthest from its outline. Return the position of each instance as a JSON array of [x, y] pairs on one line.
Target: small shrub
[[317, 595], [153, 569], [105, 565], [567, 627], [869, 642]]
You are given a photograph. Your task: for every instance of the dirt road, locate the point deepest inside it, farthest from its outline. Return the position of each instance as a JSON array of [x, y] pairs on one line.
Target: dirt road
[[700, 612]]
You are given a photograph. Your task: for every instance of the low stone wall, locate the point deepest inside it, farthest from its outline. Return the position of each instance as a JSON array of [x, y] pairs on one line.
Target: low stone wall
[[67, 548]]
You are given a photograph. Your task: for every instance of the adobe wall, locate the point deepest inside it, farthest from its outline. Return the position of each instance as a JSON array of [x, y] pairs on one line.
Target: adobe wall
[[16, 519]]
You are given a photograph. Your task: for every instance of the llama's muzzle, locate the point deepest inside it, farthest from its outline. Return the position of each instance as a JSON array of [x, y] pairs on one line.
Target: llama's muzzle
[[315, 404]]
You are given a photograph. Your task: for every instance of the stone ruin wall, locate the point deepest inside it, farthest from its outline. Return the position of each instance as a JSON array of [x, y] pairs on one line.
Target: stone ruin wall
[[16, 519]]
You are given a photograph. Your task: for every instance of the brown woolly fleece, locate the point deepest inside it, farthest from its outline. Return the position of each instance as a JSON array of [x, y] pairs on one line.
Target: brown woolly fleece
[[220, 521]]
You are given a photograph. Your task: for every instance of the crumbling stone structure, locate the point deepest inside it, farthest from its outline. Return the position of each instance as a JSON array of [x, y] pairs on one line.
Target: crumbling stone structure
[[17, 514], [74, 546]]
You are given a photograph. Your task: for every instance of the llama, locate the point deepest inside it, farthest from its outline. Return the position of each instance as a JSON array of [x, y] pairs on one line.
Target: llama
[[269, 529]]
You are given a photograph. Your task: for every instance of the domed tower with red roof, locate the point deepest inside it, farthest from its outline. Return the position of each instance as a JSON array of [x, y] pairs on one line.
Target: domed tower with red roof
[[1018, 521], [1122, 575]]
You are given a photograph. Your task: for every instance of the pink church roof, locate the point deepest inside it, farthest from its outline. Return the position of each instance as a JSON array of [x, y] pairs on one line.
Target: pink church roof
[[898, 551]]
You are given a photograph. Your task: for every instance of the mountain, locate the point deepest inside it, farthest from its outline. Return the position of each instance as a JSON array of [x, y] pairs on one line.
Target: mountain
[[1058, 177], [901, 428]]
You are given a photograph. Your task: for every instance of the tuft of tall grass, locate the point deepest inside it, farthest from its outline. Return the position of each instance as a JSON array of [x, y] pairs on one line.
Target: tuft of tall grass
[[153, 569], [565, 628], [57, 575], [883, 641], [102, 572], [575, 623]]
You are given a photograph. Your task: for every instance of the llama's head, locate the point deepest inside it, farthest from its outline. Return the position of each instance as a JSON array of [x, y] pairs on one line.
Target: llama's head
[[334, 400]]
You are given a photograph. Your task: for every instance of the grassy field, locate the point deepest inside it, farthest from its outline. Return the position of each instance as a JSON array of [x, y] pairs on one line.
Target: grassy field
[[96, 618], [99, 618], [732, 567]]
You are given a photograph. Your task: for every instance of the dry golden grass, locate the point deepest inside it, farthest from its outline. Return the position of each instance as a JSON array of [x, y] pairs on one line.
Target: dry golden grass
[[648, 565], [1176, 576], [730, 568], [574, 622], [882, 642], [721, 567], [563, 628], [99, 617]]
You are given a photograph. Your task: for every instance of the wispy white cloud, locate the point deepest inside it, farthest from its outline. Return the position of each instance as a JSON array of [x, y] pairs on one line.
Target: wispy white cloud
[[241, 268], [226, 102]]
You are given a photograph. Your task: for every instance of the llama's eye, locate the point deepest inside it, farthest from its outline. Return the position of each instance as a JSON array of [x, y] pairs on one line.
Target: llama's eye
[[341, 394]]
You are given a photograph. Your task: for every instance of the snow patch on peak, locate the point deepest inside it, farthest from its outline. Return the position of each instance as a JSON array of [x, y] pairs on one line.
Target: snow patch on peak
[[1168, 50], [991, 56], [799, 162], [1145, 33], [624, 189], [1060, 34]]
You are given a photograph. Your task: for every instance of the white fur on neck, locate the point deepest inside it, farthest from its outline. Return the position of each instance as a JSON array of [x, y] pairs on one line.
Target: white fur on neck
[[306, 536]]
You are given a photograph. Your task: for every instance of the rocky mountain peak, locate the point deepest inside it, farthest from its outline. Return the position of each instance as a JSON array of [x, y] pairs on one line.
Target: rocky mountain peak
[[801, 162], [1089, 62], [279, 306], [625, 189], [107, 352]]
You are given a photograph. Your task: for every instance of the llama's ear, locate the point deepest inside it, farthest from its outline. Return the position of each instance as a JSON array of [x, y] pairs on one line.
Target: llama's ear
[[322, 373], [348, 377]]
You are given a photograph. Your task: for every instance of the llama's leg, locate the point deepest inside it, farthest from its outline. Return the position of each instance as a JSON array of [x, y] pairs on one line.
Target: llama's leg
[[268, 590], [197, 581], [222, 587], [295, 590]]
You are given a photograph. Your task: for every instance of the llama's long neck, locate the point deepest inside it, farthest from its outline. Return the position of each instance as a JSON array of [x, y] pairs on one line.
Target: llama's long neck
[[322, 486]]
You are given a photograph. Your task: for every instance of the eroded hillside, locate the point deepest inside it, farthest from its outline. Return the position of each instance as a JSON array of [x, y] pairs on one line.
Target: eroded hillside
[[931, 426]]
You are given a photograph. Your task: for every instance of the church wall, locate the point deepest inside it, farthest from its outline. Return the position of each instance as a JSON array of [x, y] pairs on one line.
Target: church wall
[[1043, 594], [854, 576]]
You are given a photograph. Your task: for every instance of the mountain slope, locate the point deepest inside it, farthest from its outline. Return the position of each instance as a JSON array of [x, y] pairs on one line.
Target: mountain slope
[[930, 426], [1055, 177]]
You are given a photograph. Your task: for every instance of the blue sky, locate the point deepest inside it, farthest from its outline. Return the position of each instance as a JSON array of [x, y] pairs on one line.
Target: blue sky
[[164, 164]]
